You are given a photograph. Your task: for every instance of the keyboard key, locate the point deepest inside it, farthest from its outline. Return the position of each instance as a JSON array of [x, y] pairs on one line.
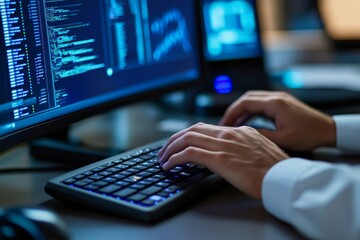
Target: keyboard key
[[105, 173], [98, 169], [96, 177], [113, 170], [160, 176], [173, 188], [140, 167], [151, 190], [137, 154], [185, 174], [146, 157], [122, 183], [80, 176], [92, 187], [148, 202], [118, 161], [121, 166], [137, 186], [82, 183], [144, 174], [152, 179], [126, 173], [137, 197], [180, 168], [153, 170], [162, 184], [133, 170], [153, 160], [155, 198], [138, 160], [101, 183], [147, 164], [118, 176], [133, 179], [88, 173], [125, 192], [69, 181], [109, 189], [130, 163], [126, 158], [164, 194], [145, 183], [110, 179], [110, 164]]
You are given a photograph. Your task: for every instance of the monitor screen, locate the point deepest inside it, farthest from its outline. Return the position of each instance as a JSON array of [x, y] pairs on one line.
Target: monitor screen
[[65, 57], [231, 30]]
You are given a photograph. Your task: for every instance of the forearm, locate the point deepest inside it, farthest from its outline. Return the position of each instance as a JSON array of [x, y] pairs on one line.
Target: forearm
[[319, 199]]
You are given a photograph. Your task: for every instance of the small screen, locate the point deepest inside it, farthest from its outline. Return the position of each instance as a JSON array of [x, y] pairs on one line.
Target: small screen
[[231, 30], [59, 57]]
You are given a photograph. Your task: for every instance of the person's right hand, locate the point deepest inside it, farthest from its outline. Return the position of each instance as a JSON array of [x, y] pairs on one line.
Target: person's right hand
[[298, 126]]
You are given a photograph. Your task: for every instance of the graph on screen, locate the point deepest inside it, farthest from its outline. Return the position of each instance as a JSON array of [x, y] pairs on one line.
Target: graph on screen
[[156, 34], [178, 36]]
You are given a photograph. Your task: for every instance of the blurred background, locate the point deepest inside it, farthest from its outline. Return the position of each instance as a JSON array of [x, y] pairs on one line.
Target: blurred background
[[290, 14], [308, 32]]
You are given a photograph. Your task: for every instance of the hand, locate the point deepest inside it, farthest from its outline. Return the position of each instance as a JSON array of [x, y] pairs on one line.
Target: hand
[[241, 156], [298, 126]]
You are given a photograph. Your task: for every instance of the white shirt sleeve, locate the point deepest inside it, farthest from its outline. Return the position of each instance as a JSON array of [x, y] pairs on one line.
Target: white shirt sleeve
[[348, 132], [321, 200]]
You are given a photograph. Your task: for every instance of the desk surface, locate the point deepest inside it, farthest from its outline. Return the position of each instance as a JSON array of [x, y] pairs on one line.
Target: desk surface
[[225, 214]]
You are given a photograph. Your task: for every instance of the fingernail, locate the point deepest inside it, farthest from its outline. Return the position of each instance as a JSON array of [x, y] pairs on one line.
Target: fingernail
[[165, 166], [162, 161]]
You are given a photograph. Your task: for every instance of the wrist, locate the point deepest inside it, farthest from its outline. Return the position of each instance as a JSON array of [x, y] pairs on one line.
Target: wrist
[[329, 133]]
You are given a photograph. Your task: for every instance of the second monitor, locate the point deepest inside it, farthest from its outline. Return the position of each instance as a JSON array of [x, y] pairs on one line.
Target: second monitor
[[232, 52]]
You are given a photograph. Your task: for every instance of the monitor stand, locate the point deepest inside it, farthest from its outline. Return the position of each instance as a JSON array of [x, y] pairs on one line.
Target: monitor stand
[[101, 136], [58, 147]]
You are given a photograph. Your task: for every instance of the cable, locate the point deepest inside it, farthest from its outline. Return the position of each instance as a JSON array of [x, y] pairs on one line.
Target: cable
[[34, 170]]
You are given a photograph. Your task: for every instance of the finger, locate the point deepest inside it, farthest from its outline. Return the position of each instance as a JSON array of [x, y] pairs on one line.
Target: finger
[[192, 139], [248, 105], [192, 155], [202, 128], [176, 136]]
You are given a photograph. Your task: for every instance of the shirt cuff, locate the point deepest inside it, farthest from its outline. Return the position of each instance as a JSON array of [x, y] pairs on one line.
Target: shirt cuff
[[347, 132], [278, 186]]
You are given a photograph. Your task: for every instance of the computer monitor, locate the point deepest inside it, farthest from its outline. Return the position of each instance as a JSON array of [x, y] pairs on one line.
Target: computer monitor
[[232, 52], [64, 60]]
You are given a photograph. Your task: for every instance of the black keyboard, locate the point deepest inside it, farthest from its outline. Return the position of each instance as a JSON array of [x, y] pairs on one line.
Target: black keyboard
[[134, 185]]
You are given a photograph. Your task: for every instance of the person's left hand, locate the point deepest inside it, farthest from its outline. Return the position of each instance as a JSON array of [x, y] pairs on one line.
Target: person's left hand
[[241, 155]]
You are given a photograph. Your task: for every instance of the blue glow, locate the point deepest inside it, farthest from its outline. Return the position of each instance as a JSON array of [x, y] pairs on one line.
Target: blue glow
[[110, 72], [293, 79], [223, 84], [8, 231]]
